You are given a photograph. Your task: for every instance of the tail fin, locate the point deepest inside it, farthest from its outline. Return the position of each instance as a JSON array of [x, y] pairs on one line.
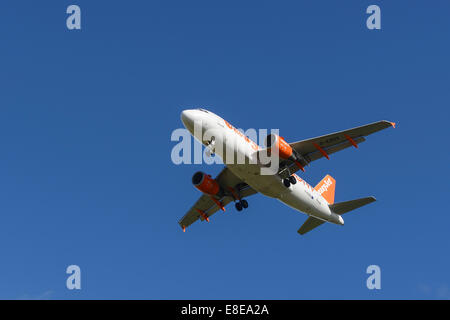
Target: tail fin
[[346, 206], [326, 188]]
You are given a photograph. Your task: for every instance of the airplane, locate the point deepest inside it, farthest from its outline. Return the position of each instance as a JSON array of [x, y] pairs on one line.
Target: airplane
[[238, 181]]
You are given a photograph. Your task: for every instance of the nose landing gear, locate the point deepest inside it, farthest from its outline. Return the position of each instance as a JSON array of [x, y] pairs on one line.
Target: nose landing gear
[[210, 147]]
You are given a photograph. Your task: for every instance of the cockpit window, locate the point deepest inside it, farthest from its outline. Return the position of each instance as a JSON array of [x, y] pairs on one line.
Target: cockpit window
[[203, 110]]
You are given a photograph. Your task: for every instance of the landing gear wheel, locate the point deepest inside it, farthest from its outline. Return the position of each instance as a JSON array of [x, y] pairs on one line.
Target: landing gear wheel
[[244, 204], [292, 180], [287, 183], [238, 206]]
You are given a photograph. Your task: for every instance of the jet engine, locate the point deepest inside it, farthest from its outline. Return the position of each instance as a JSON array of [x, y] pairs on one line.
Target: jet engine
[[205, 183], [278, 143], [285, 151]]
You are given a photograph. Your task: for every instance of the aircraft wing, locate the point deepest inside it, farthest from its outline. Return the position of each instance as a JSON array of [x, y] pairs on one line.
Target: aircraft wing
[[319, 147], [207, 205]]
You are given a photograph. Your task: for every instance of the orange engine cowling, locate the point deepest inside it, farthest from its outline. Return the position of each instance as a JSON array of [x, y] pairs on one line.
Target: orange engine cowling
[[205, 183], [277, 143]]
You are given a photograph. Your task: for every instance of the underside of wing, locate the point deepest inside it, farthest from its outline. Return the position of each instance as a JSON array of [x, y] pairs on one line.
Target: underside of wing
[[207, 205], [320, 147], [308, 147]]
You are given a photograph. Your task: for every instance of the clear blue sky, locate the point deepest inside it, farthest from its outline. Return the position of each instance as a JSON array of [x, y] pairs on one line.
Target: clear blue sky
[[85, 124]]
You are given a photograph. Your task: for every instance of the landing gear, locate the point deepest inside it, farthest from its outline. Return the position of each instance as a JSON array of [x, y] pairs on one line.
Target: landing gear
[[287, 177], [288, 181], [292, 180], [239, 203], [210, 147], [243, 204]]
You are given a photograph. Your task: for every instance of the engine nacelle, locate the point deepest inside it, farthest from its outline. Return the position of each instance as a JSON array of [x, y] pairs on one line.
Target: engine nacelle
[[205, 183], [275, 142]]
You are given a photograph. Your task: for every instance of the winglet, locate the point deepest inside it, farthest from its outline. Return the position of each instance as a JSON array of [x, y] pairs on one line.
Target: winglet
[[393, 124]]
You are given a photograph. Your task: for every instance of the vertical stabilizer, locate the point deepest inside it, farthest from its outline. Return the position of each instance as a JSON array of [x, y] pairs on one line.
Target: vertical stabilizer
[[326, 188]]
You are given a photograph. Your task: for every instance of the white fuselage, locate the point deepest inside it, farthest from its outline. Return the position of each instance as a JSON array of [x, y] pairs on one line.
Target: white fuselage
[[300, 196]]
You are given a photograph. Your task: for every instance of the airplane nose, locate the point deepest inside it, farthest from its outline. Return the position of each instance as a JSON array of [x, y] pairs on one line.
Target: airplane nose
[[187, 117]]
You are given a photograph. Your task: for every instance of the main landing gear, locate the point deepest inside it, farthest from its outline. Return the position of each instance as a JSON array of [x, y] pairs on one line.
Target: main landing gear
[[287, 177], [238, 202], [242, 204], [288, 181]]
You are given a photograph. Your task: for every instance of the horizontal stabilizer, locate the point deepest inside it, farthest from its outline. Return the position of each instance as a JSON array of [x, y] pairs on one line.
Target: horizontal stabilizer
[[310, 224], [346, 206]]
